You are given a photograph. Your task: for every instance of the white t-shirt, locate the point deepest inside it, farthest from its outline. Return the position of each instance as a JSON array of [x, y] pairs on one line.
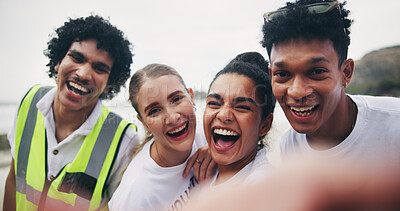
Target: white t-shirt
[[375, 137], [252, 173], [147, 186], [69, 147]]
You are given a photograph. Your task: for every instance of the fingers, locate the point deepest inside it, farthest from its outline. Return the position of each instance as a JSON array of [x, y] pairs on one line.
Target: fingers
[[189, 164], [206, 169], [202, 164], [197, 168]]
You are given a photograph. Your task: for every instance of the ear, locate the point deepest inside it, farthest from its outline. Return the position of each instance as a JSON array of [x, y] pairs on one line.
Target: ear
[[106, 90], [191, 95], [57, 67], [266, 125], [347, 71], [269, 71]]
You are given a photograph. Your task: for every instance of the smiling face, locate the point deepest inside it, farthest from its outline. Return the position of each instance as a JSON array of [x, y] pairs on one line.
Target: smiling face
[[232, 120], [166, 109], [308, 84], [82, 76]]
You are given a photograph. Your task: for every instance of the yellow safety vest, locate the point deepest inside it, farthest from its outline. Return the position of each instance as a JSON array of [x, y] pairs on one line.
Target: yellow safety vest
[[80, 185]]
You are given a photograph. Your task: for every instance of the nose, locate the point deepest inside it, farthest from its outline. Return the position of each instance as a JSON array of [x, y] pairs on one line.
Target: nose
[[224, 114], [171, 116], [84, 72], [299, 89]]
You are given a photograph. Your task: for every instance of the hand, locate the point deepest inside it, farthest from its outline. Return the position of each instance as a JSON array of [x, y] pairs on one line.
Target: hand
[[202, 163], [310, 185]]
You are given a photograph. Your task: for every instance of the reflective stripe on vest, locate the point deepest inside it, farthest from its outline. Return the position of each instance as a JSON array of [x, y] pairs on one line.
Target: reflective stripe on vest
[[25, 128], [92, 164]]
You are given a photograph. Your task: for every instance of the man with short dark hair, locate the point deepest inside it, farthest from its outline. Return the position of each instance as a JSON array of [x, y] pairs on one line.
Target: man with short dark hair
[[68, 149], [307, 43]]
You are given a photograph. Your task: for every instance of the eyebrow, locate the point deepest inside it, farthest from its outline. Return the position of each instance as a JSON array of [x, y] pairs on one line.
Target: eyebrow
[[279, 64], [311, 61], [156, 103], [317, 60], [174, 93], [150, 106], [244, 99], [77, 53], [215, 95], [236, 100], [94, 63]]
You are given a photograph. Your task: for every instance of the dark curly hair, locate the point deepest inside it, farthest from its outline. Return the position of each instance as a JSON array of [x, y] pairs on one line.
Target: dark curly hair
[[255, 67], [298, 23], [108, 38]]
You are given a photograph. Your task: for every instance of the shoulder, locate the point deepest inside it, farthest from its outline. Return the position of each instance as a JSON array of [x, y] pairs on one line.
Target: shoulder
[[261, 160], [259, 168], [291, 142], [377, 103], [290, 138]]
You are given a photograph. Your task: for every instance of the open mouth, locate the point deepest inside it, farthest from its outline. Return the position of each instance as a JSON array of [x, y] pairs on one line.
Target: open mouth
[[224, 139], [77, 89], [179, 131], [303, 111]]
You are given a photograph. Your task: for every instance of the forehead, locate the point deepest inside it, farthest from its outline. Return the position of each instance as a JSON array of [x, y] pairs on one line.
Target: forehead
[[154, 89], [89, 49], [300, 49], [233, 85]]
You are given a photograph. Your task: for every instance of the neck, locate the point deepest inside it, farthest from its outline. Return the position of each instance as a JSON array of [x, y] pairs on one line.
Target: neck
[[167, 157], [337, 129], [67, 121], [225, 172]]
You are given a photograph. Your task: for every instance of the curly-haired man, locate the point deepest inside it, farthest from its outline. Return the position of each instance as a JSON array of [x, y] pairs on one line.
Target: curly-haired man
[[68, 149]]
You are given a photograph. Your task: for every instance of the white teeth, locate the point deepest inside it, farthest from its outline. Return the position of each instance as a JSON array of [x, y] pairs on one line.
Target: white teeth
[[302, 109], [225, 132], [78, 87], [74, 93], [178, 129], [302, 114]]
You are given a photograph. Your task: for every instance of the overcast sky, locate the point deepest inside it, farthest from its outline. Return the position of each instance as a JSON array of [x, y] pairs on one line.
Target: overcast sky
[[197, 38]]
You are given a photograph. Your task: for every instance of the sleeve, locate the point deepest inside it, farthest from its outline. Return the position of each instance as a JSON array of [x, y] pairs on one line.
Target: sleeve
[[11, 135], [128, 143], [11, 132]]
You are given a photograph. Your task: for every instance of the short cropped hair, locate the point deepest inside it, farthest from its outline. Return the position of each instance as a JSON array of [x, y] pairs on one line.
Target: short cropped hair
[[298, 23], [108, 38]]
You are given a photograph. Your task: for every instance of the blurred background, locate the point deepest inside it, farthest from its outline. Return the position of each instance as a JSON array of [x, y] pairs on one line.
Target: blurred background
[[197, 38]]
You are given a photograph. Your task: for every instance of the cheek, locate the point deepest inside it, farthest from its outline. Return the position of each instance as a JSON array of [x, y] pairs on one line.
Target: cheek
[[278, 90], [103, 80], [188, 110], [330, 90], [154, 124], [207, 117], [249, 125]]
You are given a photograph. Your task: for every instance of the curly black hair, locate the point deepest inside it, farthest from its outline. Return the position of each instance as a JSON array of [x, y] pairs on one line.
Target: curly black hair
[[108, 38], [298, 23]]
